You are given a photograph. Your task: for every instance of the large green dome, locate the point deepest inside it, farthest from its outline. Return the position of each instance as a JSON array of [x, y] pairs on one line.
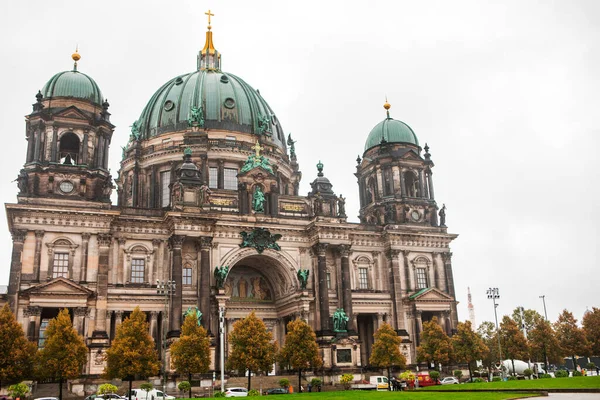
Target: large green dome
[[223, 101], [73, 84], [391, 131]]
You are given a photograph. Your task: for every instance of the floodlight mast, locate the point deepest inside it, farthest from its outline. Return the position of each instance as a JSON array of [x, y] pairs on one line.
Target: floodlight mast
[[493, 294], [165, 288]]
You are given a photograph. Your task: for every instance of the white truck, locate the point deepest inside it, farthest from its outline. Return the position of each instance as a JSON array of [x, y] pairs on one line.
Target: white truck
[[519, 367], [376, 382]]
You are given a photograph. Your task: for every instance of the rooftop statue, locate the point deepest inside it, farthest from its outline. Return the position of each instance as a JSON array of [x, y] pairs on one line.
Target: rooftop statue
[[303, 277]]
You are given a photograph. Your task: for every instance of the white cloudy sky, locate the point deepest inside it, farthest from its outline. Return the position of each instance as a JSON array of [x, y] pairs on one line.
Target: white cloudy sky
[[506, 94]]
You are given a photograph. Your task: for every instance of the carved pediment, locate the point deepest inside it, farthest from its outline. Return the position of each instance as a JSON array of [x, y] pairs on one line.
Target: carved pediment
[[411, 155], [58, 287], [73, 113], [431, 295]]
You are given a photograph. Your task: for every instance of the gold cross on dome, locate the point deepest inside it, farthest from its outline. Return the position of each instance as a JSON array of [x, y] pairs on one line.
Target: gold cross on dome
[[209, 15], [257, 148]]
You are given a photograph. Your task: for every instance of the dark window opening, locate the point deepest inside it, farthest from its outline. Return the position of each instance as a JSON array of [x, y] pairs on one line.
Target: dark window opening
[[69, 149]]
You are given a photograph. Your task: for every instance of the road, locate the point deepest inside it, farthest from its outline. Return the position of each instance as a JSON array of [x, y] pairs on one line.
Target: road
[[572, 396]]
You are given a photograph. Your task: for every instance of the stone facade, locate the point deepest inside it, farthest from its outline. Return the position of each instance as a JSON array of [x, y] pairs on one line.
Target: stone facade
[[194, 198]]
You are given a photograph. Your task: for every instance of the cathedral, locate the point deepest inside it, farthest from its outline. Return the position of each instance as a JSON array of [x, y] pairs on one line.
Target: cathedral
[[209, 219]]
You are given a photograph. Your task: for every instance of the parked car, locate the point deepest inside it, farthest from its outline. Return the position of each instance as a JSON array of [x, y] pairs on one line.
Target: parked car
[[47, 398], [236, 392], [111, 396], [154, 394], [277, 391], [449, 380]]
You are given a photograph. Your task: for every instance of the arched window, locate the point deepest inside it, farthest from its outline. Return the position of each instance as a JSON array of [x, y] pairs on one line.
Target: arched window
[[421, 266], [61, 253], [362, 273], [68, 149], [138, 260], [388, 183], [412, 184]]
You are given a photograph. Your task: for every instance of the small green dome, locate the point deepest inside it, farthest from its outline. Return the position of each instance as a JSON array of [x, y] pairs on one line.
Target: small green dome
[[210, 99], [73, 84], [392, 131]]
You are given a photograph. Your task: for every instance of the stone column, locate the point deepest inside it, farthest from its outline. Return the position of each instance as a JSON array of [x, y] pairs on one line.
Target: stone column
[[410, 275], [422, 184], [397, 289], [39, 235], [175, 316], [344, 251], [85, 238], [205, 244], [104, 241], [380, 319], [155, 250], [430, 181], [118, 318], [84, 147], [447, 257], [105, 161], [402, 183], [154, 326], [419, 319], [14, 280], [321, 250], [33, 327], [221, 174], [122, 271], [445, 318], [431, 272], [79, 319]]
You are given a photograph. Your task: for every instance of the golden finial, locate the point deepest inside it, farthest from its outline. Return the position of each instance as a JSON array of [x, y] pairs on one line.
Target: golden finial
[[209, 15], [76, 57], [387, 107]]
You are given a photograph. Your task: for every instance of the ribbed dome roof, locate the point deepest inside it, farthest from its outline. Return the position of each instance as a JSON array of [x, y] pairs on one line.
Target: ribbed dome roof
[[393, 131], [73, 84], [226, 102]]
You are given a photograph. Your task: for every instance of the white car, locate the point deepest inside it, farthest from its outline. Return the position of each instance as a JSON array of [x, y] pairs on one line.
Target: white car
[[449, 380], [139, 394], [236, 392]]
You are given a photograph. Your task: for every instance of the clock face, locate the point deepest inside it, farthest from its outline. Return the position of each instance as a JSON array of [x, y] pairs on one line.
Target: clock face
[[415, 215], [66, 186]]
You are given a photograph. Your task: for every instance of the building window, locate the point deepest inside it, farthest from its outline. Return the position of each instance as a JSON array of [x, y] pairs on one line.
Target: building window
[[212, 177], [230, 182], [69, 149], [388, 186], [187, 276], [42, 336], [60, 267], [165, 193], [138, 266], [344, 356], [363, 278], [328, 280], [421, 278]]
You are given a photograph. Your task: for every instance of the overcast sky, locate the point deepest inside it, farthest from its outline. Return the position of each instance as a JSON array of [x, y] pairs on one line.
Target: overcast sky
[[506, 94]]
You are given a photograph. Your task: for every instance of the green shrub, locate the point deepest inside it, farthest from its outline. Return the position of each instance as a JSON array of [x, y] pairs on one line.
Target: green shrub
[[253, 392], [458, 373], [561, 373], [577, 373], [434, 375], [496, 379], [284, 383], [107, 388], [315, 382], [146, 387], [544, 376], [18, 390], [590, 365], [346, 380], [528, 372], [512, 378], [407, 376], [478, 380], [184, 386], [219, 394]]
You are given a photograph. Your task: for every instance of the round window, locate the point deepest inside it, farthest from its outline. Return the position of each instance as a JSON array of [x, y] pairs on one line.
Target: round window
[[229, 102], [169, 105], [66, 186]]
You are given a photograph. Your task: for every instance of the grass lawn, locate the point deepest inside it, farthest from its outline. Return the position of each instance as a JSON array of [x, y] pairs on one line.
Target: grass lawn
[[578, 382]]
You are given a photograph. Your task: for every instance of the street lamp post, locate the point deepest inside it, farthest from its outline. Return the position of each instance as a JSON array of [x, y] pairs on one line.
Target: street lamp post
[[494, 293], [222, 345], [165, 288], [543, 297]]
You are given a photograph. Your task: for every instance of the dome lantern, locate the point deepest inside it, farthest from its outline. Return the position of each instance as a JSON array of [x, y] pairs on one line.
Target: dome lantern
[[209, 58]]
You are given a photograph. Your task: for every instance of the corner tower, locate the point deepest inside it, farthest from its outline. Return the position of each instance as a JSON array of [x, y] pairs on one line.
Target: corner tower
[[68, 137], [395, 181]]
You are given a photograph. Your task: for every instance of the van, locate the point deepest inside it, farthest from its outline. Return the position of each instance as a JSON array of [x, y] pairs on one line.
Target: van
[[154, 394]]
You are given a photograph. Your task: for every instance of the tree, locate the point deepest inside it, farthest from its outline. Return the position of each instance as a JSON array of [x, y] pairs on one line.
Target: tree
[[300, 350], [346, 380], [530, 318], [18, 390], [571, 338], [513, 341], [107, 388], [17, 354], [436, 346], [591, 327], [468, 346], [191, 353], [543, 344], [64, 354], [252, 347], [385, 352], [487, 332], [132, 351]]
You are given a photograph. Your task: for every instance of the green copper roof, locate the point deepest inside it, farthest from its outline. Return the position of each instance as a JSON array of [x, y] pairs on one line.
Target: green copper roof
[[73, 84], [208, 99], [420, 292], [393, 131]]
